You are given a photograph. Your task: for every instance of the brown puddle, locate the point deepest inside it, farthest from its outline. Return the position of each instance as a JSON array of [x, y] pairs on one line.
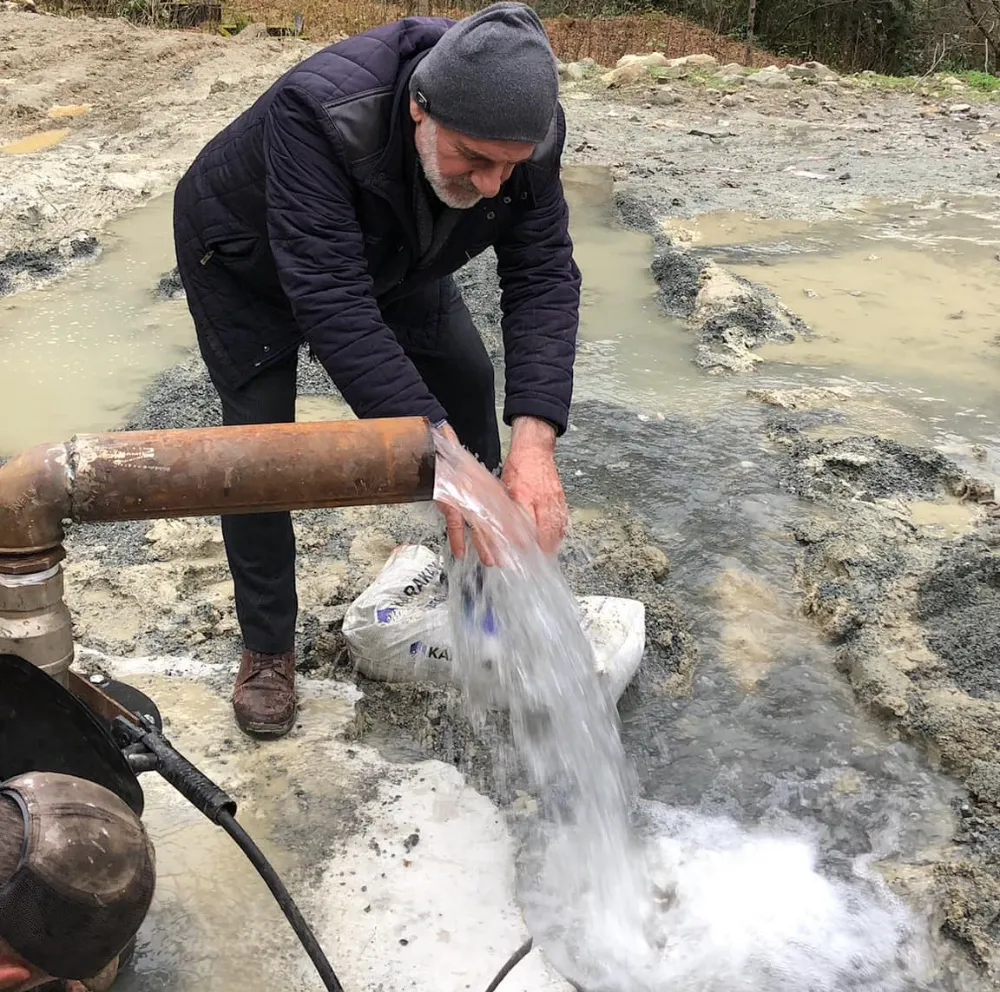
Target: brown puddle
[[69, 111], [944, 518], [629, 352], [77, 354], [35, 142], [81, 351], [919, 314], [904, 294], [619, 292], [733, 228]]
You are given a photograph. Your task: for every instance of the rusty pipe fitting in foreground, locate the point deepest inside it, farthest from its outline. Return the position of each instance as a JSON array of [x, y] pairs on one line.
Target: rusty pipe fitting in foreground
[[145, 475], [34, 500]]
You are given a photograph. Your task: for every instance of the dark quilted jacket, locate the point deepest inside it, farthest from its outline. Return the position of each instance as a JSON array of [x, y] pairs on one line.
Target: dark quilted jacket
[[298, 221]]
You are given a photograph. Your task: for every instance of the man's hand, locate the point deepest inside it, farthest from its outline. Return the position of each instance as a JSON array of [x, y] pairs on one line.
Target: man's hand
[[532, 480], [454, 522]]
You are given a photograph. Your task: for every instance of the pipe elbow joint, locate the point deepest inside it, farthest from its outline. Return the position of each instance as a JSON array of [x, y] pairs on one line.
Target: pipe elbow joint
[[35, 492]]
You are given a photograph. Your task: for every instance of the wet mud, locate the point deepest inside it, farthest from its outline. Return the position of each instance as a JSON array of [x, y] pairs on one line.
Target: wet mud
[[911, 610], [208, 895], [169, 286], [898, 569], [958, 605], [358, 841], [19, 268]]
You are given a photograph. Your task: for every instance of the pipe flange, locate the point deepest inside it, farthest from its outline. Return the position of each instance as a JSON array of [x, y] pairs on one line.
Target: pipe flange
[[39, 561]]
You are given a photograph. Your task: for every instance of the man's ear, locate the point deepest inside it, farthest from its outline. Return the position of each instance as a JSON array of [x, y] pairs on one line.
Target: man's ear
[[416, 111], [13, 976]]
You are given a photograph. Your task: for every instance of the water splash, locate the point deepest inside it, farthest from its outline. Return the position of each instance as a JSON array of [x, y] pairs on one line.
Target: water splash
[[519, 644], [686, 901]]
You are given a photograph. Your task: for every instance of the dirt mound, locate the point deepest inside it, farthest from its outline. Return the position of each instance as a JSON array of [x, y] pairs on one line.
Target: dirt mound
[[604, 39], [729, 314], [869, 468], [607, 39], [958, 605], [915, 614], [89, 64], [132, 106]]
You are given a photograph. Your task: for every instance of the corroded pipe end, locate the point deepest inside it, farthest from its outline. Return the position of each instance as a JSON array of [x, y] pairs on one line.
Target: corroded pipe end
[[34, 500], [143, 475], [202, 472]]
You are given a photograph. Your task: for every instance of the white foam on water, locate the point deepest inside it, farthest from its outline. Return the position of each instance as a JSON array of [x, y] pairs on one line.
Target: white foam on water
[[733, 910], [688, 903]]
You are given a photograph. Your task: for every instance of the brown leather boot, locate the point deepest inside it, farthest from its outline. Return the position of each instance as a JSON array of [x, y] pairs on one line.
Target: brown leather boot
[[264, 697]]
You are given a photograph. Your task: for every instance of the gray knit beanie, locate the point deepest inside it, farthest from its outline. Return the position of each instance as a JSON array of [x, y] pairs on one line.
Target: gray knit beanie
[[492, 76]]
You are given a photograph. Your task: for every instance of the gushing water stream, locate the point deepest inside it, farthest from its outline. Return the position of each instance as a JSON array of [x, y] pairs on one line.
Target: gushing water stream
[[520, 644], [629, 896]]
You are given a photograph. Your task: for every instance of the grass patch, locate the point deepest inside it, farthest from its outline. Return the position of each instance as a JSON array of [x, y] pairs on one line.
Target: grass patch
[[978, 83], [876, 81], [983, 82]]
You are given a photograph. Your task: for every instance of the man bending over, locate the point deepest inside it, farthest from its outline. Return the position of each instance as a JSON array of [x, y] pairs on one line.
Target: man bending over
[[333, 213]]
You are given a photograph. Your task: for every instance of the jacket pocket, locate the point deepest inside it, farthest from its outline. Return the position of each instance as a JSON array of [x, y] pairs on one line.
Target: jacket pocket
[[244, 316], [235, 252]]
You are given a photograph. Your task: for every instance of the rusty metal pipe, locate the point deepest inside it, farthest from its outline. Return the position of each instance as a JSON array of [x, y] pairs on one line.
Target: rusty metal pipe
[[34, 500], [145, 475]]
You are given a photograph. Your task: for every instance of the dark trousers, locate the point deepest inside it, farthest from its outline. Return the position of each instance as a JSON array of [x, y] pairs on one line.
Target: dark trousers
[[437, 333]]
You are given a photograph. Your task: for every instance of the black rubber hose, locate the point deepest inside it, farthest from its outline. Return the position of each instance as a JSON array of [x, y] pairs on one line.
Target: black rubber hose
[[280, 893], [149, 751], [140, 763], [518, 955], [196, 788]]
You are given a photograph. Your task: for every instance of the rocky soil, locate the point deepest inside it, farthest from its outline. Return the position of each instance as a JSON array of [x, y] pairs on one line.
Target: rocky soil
[[137, 105], [690, 138], [913, 607]]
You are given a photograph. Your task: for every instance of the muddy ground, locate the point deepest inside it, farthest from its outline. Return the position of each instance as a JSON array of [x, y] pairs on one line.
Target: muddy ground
[[913, 608], [685, 145]]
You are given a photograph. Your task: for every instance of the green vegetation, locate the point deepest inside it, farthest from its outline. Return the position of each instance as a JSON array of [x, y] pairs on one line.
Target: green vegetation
[[981, 81], [980, 84]]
